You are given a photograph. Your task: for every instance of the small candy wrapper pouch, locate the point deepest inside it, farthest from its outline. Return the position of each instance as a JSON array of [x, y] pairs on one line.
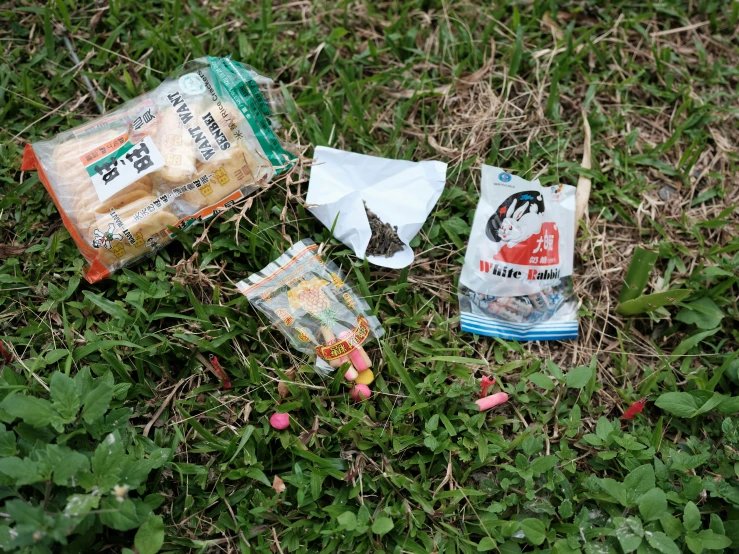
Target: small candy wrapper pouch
[[311, 302], [516, 281]]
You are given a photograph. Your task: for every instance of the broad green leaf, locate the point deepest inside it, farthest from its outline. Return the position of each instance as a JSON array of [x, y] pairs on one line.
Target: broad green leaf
[[638, 273], [681, 404], [534, 530], [541, 380], [150, 536], [107, 461], [629, 533], [348, 520], [34, 411], [694, 544], [703, 313], [7, 444], [66, 463], [83, 381], [120, 516], [615, 489], [710, 404], [578, 377], [603, 428], [713, 541], [662, 542], [431, 443], [96, 402], [134, 472], [486, 544], [691, 517], [652, 504], [64, 396], [23, 472], [651, 302], [671, 526], [80, 504], [640, 480], [565, 509], [716, 525], [382, 525], [542, 464], [730, 405], [25, 514]]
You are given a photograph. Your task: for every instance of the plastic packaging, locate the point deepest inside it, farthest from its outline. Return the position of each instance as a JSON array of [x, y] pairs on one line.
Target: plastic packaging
[[516, 281], [313, 305], [197, 144], [344, 186]]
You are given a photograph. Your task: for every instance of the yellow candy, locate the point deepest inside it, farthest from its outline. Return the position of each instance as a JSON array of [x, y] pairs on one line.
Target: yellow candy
[[365, 377]]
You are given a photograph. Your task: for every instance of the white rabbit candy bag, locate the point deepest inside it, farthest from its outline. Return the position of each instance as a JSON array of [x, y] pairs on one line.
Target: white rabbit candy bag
[[516, 281]]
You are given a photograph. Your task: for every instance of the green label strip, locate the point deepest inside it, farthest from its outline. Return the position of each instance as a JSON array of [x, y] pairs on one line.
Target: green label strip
[[248, 98], [118, 154]]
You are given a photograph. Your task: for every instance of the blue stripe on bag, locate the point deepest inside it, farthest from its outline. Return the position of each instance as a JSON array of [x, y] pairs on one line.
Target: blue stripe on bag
[[555, 330]]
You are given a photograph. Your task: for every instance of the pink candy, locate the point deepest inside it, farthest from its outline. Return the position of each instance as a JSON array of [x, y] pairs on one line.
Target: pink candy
[[491, 401], [360, 392], [279, 421]]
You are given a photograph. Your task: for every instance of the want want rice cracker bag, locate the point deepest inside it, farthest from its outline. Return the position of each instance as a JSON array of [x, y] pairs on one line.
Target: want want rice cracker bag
[[516, 282], [199, 143]]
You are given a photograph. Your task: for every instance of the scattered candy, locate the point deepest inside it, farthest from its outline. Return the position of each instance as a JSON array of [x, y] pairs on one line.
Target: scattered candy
[[491, 401], [351, 374], [365, 377], [279, 421], [635, 408], [485, 384], [220, 373], [360, 392]]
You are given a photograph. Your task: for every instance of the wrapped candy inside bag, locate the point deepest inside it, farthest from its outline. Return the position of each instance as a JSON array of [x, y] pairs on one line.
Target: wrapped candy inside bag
[[197, 144], [516, 281], [311, 302]]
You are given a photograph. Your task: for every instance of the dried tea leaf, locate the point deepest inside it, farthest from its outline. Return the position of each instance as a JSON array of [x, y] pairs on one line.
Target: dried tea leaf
[[384, 240]]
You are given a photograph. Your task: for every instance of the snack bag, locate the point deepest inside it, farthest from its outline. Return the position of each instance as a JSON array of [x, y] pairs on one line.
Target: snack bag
[[194, 146], [516, 281], [311, 303]]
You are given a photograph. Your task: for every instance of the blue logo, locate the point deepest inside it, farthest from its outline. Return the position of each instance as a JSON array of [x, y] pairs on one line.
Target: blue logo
[[505, 177]]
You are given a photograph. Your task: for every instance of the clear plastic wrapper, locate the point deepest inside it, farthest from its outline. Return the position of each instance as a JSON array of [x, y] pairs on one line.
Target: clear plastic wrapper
[[197, 144], [312, 304], [516, 281]]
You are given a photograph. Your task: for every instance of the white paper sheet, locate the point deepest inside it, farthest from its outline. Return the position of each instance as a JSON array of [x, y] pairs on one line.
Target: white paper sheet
[[399, 192]]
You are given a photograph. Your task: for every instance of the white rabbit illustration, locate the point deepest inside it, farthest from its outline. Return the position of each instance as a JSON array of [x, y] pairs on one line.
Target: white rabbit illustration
[[519, 224]]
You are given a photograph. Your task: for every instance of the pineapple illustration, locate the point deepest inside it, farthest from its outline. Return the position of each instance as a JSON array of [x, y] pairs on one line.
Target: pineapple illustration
[[309, 295]]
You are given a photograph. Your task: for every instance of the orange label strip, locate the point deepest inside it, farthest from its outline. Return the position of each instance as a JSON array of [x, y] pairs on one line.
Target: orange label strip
[[103, 150]]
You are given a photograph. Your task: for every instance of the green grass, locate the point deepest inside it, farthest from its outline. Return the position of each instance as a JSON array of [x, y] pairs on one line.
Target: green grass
[[554, 470]]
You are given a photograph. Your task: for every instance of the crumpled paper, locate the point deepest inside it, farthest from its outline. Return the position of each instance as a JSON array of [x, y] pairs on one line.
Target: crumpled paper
[[399, 192]]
